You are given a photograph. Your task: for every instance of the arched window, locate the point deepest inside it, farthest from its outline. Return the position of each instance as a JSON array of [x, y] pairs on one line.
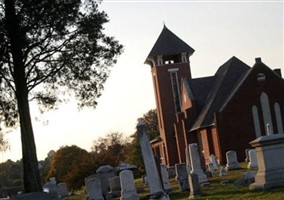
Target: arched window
[[175, 89], [265, 107], [256, 121], [278, 118]]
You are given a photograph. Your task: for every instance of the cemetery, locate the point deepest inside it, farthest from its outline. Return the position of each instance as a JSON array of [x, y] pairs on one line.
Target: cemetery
[[260, 176], [217, 190]]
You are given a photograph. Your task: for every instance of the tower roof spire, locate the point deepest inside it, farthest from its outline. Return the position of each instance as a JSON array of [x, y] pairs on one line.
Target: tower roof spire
[[168, 44]]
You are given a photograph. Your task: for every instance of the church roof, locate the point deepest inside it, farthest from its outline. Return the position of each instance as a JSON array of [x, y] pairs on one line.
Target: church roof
[[169, 44], [226, 79], [200, 88]]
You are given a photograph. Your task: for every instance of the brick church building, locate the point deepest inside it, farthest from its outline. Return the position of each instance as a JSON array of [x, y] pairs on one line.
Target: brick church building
[[220, 113]]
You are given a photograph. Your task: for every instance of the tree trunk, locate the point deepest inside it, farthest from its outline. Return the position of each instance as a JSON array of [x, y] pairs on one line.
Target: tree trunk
[[32, 181]]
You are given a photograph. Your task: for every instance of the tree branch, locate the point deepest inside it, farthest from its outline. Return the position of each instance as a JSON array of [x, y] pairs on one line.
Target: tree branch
[[44, 78], [47, 53]]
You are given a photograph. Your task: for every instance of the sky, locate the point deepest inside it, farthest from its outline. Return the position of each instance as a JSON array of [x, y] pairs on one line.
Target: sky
[[217, 30]]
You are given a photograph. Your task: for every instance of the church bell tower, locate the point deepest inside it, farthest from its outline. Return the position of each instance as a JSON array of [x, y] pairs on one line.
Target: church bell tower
[[169, 61]]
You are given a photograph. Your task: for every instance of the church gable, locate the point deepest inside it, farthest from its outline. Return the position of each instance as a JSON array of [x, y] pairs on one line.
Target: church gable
[[226, 79], [259, 99]]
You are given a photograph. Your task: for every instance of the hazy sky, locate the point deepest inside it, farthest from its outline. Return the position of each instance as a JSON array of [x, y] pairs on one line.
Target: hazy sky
[[216, 30]]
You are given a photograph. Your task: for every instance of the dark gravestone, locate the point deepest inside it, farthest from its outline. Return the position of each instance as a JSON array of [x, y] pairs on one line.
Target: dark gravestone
[[194, 186], [36, 196]]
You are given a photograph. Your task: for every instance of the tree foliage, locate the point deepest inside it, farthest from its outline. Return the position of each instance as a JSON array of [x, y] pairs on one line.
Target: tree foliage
[[63, 48], [50, 49], [150, 120], [110, 149], [71, 164], [10, 173]]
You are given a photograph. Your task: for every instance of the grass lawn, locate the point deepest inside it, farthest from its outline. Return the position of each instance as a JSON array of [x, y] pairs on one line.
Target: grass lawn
[[214, 191]]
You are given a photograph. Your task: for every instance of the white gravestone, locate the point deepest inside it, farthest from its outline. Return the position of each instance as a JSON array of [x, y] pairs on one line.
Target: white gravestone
[[213, 160], [154, 182], [222, 171], [270, 173], [247, 156], [50, 187], [94, 190], [252, 159], [211, 168], [90, 177], [195, 163], [128, 190], [232, 160]]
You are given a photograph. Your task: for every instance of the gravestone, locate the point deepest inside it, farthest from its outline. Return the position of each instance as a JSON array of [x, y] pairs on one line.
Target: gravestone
[[222, 171], [155, 185], [165, 178], [158, 164], [52, 180], [270, 173], [36, 196], [213, 160], [249, 176], [247, 156], [94, 190], [211, 168], [195, 163], [128, 190], [50, 187], [91, 177], [232, 160], [172, 171], [144, 180], [105, 172], [187, 160], [62, 190], [194, 186], [115, 187], [125, 166], [182, 177], [252, 159]]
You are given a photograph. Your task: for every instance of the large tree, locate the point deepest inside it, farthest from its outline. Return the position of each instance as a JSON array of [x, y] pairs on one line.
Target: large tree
[[110, 149], [49, 47], [71, 164]]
